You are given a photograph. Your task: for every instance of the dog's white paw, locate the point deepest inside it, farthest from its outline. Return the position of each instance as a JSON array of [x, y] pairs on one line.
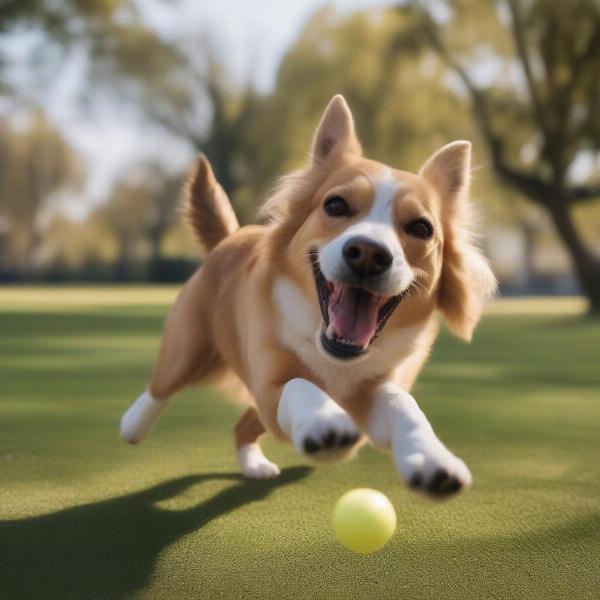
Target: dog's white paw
[[140, 418], [326, 435], [317, 426], [254, 464], [428, 466]]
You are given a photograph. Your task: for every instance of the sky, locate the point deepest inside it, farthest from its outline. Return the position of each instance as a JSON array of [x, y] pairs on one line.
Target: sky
[[252, 38], [252, 34]]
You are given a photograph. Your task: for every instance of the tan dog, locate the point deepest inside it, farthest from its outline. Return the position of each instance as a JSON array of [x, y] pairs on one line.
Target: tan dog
[[327, 313]]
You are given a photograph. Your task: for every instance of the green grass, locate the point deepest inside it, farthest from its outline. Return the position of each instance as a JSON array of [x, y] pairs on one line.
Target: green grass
[[83, 516]]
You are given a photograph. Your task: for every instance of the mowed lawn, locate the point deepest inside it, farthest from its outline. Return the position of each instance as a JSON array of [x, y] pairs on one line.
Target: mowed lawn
[[83, 516]]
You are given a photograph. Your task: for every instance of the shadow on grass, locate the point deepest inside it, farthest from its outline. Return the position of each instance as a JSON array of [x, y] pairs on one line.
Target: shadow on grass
[[108, 549]]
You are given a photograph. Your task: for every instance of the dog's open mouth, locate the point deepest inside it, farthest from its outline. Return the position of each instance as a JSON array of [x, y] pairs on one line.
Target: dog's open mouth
[[353, 317]]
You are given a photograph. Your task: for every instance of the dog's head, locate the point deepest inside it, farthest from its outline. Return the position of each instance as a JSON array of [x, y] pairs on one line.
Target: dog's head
[[385, 247]]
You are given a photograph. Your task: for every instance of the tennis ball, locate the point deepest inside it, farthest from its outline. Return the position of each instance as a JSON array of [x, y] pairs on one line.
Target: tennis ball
[[364, 520]]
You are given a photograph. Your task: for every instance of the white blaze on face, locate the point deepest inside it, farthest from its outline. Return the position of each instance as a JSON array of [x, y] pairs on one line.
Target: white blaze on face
[[378, 225]]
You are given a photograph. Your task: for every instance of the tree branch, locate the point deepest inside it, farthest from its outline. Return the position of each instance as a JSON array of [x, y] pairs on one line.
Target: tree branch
[[581, 193], [563, 95], [591, 50], [521, 47], [529, 184]]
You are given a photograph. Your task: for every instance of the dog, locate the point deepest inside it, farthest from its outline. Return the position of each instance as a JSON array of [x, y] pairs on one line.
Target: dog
[[327, 312]]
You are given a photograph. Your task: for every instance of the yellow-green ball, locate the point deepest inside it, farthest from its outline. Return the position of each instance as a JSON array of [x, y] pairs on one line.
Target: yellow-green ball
[[364, 520]]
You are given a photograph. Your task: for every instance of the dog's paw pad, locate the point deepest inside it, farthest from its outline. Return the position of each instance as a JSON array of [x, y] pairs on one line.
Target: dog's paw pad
[[348, 439], [327, 437], [330, 439], [416, 480], [310, 446], [435, 471], [443, 484]]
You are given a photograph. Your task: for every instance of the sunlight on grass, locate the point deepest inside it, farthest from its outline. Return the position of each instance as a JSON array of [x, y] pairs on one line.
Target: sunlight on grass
[[60, 298], [519, 404], [538, 305]]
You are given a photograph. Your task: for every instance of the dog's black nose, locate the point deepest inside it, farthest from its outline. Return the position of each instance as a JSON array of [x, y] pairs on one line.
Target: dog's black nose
[[366, 257]]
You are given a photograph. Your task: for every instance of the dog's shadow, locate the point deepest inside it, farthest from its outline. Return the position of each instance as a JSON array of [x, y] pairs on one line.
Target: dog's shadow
[[108, 549]]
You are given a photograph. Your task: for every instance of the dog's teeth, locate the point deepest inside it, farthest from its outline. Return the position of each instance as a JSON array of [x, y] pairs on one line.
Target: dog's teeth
[[333, 335]]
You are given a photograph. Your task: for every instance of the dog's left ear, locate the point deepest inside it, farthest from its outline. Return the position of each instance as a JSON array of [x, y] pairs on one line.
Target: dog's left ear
[[466, 280], [335, 132]]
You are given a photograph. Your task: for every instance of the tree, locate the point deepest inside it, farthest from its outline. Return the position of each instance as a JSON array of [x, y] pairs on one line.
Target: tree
[[108, 34], [174, 82], [162, 211], [199, 105], [535, 128], [36, 164], [143, 205], [122, 217], [375, 64]]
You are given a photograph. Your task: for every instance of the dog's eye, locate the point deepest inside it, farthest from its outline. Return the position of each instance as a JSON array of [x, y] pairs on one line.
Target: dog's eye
[[337, 207], [420, 228]]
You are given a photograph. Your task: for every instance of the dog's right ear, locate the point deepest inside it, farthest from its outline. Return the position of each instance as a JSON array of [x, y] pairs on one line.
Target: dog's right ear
[[335, 132]]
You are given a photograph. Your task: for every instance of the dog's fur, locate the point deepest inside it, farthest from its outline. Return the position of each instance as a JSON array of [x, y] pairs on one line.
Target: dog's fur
[[252, 309]]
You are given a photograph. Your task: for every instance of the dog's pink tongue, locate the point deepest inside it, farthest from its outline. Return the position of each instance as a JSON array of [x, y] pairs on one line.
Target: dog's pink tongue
[[353, 314]]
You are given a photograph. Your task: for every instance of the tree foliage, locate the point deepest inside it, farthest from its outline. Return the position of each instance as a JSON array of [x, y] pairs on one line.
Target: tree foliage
[[142, 207], [36, 163], [518, 76], [541, 112], [378, 63]]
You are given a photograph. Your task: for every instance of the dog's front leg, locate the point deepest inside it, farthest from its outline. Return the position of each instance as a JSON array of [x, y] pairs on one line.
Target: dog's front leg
[[315, 423], [397, 423]]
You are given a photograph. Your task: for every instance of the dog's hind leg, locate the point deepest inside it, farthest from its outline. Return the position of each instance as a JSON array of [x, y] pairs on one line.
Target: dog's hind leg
[[253, 462], [187, 356]]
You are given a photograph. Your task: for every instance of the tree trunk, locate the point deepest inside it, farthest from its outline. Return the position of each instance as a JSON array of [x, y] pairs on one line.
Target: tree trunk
[[122, 268], [585, 263], [529, 231], [155, 236], [34, 264]]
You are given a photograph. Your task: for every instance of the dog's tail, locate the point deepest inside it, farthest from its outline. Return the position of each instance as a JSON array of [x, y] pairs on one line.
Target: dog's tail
[[207, 206]]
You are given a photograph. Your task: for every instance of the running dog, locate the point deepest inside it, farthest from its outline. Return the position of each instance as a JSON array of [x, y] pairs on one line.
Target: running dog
[[327, 312]]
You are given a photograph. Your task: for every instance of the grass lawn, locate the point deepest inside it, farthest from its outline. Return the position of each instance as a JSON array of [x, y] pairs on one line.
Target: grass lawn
[[83, 516]]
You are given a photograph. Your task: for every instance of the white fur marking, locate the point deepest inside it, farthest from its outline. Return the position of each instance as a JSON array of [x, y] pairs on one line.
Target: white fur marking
[[141, 417], [378, 224], [397, 422], [254, 463], [300, 315], [385, 192]]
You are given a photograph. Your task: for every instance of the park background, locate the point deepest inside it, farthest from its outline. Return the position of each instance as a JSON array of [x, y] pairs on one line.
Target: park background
[[103, 105]]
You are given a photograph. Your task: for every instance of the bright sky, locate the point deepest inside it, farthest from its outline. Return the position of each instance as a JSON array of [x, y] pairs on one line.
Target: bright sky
[[254, 34], [251, 35]]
